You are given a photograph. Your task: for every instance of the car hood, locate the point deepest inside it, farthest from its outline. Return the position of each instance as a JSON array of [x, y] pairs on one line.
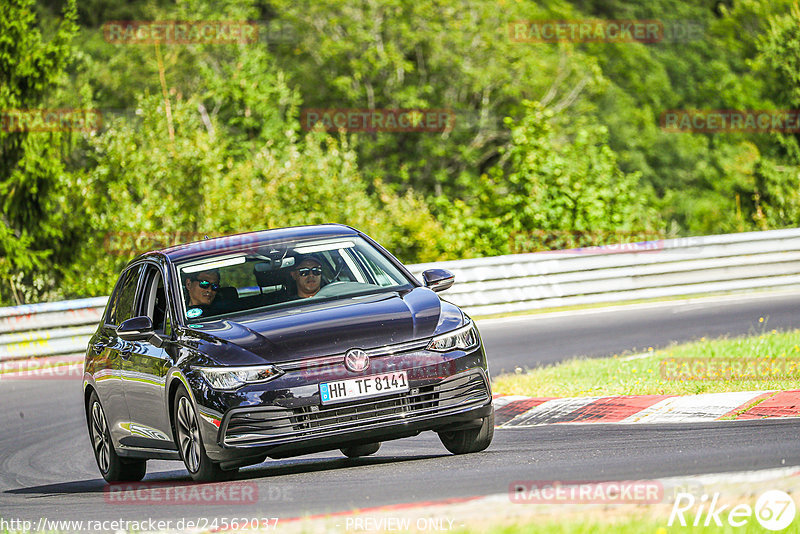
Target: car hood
[[326, 328]]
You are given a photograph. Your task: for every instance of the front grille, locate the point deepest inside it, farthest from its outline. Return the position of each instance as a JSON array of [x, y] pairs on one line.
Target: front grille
[[274, 425]]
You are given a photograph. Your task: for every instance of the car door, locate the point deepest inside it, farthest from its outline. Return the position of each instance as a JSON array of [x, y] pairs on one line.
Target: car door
[[109, 351], [146, 367]]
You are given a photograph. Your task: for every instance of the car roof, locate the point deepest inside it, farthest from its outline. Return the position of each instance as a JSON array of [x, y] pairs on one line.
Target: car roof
[[217, 245]]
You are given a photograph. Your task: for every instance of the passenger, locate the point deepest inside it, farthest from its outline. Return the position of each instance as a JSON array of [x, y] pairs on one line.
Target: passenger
[[202, 288], [307, 274]]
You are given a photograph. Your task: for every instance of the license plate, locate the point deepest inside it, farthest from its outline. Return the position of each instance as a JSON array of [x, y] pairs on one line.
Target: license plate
[[367, 386]]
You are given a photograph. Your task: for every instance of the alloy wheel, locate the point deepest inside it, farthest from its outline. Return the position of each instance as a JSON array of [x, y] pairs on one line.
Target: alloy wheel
[[188, 434], [100, 440]]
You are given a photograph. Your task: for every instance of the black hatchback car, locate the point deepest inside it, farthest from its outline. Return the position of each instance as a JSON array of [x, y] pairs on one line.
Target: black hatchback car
[[278, 343]]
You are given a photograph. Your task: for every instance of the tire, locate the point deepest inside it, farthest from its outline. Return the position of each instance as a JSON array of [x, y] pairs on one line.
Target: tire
[[190, 442], [112, 467], [470, 440], [361, 450]]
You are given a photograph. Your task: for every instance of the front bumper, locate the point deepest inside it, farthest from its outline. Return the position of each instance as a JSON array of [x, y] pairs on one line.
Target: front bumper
[[285, 417]]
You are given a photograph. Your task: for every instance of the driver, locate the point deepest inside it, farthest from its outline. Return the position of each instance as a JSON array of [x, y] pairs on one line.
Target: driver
[[307, 274], [201, 290]]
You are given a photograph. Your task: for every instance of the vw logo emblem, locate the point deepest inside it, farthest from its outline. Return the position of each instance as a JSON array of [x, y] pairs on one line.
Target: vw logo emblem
[[356, 360]]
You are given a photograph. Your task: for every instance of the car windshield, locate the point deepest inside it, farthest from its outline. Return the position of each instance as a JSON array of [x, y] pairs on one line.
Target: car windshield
[[278, 276]]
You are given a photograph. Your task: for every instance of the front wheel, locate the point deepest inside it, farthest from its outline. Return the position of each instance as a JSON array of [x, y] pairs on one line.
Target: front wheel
[[112, 467], [190, 443], [470, 440]]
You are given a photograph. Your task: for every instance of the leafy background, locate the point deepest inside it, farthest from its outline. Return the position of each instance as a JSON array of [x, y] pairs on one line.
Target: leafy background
[[554, 144]]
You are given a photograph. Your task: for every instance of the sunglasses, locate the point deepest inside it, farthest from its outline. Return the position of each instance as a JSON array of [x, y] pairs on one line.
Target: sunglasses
[[316, 271], [205, 284]]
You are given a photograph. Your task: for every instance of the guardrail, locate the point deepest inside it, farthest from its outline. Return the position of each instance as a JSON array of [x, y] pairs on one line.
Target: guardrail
[[612, 273], [50, 328]]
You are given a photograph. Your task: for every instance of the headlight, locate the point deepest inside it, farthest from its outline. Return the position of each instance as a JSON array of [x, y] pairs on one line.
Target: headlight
[[464, 338], [229, 378]]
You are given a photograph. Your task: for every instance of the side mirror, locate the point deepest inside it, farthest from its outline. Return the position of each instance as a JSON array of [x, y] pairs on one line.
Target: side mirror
[[136, 329], [438, 279]]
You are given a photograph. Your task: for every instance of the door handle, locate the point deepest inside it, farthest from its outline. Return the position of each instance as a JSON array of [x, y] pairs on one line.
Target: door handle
[[97, 348]]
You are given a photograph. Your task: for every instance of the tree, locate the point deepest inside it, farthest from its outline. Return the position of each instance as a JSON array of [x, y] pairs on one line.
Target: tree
[[38, 223], [550, 191], [202, 182], [777, 172], [431, 54]]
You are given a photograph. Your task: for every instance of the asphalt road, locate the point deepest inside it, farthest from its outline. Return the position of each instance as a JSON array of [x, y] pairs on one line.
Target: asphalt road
[[537, 340], [47, 469]]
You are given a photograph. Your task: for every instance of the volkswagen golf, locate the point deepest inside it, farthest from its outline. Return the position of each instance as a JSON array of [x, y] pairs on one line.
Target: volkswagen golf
[[228, 351]]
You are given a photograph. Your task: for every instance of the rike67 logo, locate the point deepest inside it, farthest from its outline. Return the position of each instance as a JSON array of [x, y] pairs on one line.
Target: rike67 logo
[[774, 510]]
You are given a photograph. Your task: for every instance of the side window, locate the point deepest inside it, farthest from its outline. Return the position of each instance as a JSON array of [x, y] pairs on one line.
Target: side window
[[342, 266], [351, 267], [154, 299], [113, 301], [376, 272], [121, 307]]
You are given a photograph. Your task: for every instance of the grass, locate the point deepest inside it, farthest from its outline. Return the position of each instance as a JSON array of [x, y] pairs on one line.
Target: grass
[[616, 522], [619, 525], [628, 525], [769, 360]]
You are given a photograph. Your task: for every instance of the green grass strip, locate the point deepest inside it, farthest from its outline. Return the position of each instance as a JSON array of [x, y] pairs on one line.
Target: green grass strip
[[613, 525], [768, 360]]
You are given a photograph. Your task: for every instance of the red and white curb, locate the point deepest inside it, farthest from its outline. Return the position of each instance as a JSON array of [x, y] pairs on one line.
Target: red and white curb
[[518, 411]]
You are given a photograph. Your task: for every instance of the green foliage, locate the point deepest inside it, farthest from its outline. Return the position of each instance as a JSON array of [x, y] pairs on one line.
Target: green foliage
[[778, 194], [37, 222], [142, 181], [554, 145], [317, 182], [780, 53], [197, 184], [697, 177], [550, 192], [776, 172], [432, 55]]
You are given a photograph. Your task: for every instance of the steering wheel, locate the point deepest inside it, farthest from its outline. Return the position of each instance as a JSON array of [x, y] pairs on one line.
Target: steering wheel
[[324, 292], [339, 268]]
